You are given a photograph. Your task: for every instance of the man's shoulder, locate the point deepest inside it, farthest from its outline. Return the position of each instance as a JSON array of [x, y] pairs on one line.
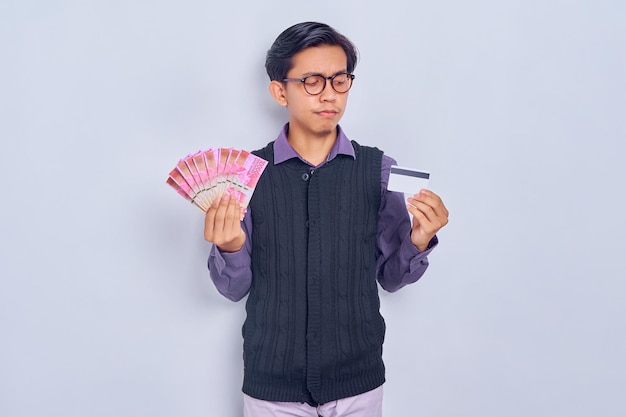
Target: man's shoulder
[[365, 149], [264, 151]]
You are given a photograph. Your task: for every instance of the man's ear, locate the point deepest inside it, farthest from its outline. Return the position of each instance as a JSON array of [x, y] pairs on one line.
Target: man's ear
[[277, 90]]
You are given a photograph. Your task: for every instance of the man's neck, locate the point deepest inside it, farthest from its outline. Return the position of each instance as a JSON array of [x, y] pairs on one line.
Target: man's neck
[[312, 148]]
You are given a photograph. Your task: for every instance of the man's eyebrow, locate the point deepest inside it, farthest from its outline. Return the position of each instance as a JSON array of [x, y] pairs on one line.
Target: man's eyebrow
[[308, 74]]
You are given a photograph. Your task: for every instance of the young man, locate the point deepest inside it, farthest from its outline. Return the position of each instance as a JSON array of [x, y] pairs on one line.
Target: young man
[[320, 232]]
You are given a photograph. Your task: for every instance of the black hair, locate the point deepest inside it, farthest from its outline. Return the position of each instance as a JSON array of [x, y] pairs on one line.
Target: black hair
[[303, 35]]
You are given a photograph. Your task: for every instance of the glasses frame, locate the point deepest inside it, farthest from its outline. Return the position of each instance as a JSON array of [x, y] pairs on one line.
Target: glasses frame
[[326, 79]]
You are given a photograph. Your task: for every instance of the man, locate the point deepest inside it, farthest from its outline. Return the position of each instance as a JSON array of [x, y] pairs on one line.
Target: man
[[321, 230]]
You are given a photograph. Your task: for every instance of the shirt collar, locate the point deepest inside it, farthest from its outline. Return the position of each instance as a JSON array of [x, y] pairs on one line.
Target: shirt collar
[[283, 150]]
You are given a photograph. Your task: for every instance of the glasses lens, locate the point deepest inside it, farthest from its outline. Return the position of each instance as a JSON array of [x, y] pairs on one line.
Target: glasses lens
[[314, 84], [342, 82]]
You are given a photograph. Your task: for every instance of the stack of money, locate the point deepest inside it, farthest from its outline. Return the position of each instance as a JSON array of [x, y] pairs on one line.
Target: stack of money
[[206, 176]]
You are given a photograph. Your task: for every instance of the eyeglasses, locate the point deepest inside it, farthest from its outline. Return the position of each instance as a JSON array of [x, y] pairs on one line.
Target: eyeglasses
[[315, 84]]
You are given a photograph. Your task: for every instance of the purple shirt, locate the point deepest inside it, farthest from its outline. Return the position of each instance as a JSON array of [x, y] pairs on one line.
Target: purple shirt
[[399, 261]]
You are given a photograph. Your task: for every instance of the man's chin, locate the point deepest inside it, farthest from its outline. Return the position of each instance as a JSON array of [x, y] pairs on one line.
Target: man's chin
[[327, 130]]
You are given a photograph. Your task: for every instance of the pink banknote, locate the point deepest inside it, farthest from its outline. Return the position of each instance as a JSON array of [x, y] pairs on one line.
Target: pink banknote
[[245, 175], [206, 176]]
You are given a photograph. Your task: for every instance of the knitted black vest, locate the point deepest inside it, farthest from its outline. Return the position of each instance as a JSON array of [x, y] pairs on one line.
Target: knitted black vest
[[313, 331]]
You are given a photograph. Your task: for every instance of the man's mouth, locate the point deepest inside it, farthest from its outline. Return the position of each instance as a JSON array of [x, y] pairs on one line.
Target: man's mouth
[[327, 113]]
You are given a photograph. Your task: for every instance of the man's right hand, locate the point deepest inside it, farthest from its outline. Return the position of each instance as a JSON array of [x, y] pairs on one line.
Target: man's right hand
[[222, 225]]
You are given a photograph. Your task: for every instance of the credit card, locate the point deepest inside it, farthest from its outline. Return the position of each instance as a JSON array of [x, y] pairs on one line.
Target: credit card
[[407, 180]]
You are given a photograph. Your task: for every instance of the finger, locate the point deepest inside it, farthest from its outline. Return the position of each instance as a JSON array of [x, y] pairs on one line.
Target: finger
[[421, 221], [432, 200], [231, 218], [428, 197], [424, 192], [427, 219], [220, 218], [209, 223], [418, 216], [423, 208]]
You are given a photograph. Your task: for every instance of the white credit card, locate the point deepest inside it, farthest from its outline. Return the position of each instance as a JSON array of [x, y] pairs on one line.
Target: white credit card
[[407, 180]]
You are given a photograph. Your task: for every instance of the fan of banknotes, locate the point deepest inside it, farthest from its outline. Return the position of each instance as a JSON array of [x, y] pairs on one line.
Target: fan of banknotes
[[206, 176]]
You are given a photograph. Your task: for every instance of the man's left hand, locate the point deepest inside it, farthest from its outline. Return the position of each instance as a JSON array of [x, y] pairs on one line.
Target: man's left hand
[[429, 216]]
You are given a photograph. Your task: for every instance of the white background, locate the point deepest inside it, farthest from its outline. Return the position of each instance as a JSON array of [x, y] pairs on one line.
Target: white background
[[515, 107]]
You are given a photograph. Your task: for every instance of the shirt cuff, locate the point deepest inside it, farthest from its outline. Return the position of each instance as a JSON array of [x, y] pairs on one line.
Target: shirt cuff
[[239, 259], [418, 258]]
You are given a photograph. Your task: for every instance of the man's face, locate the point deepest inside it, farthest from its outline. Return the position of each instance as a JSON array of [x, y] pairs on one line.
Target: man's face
[[315, 115]]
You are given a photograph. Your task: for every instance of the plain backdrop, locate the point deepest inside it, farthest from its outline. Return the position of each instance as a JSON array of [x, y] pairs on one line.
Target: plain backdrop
[[516, 107]]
